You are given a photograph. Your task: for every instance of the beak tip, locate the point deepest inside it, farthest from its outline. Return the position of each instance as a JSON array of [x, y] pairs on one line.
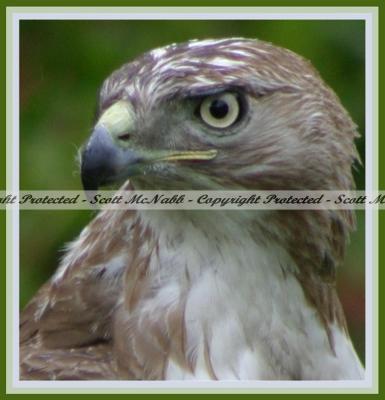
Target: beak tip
[[87, 172], [97, 159]]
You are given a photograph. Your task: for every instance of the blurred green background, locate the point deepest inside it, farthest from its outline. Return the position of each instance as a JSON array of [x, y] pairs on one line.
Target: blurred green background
[[63, 64]]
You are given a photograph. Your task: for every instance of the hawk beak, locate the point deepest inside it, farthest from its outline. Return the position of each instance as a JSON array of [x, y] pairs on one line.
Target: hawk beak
[[104, 160]]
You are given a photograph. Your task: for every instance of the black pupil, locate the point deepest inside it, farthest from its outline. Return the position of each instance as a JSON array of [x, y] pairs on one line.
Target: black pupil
[[219, 109]]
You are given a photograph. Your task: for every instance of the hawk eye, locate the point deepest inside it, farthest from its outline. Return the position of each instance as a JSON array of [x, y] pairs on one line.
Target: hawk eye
[[220, 111]]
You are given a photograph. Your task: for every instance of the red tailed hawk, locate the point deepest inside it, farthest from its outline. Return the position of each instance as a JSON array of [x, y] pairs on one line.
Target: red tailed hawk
[[153, 295]]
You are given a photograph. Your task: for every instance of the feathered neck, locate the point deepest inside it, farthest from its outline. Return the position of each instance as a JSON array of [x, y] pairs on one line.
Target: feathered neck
[[212, 286]]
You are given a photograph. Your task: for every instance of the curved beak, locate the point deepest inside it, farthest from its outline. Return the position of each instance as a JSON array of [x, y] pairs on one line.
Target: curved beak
[[103, 162]]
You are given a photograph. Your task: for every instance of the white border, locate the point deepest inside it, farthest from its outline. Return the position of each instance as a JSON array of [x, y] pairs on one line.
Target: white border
[[293, 13]]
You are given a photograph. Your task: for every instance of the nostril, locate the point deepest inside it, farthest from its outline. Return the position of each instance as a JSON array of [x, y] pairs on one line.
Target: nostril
[[124, 137]]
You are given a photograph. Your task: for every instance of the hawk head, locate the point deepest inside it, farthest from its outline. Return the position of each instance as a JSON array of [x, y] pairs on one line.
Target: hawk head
[[220, 114], [185, 295]]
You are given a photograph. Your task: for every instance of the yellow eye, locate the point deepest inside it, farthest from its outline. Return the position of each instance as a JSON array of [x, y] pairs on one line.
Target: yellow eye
[[220, 111]]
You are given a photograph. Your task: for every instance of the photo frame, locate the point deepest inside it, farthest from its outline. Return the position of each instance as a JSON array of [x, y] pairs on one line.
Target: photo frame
[[16, 16]]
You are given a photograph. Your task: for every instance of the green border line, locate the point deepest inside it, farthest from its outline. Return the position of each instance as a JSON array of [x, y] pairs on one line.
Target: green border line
[[367, 6], [196, 3], [3, 186]]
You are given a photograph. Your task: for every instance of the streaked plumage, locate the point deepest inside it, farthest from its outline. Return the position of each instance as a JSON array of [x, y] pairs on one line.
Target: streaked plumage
[[211, 295]]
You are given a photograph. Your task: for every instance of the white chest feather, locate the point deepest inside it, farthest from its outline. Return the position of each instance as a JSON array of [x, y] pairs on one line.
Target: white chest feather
[[246, 316]]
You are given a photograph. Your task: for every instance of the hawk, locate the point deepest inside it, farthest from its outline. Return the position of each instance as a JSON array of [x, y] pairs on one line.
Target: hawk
[[155, 295]]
